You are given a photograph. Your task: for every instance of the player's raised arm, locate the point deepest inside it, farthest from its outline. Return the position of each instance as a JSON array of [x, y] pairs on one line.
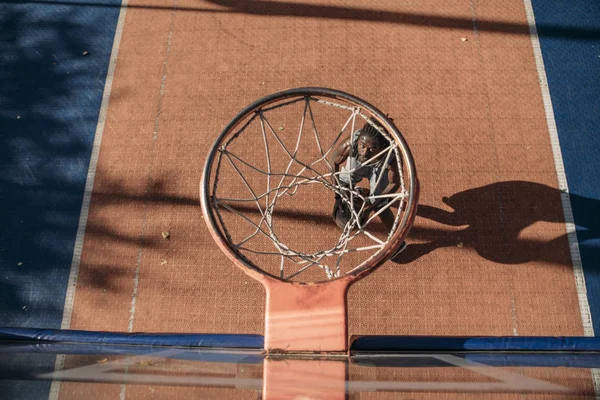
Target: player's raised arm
[[339, 154], [393, 179]]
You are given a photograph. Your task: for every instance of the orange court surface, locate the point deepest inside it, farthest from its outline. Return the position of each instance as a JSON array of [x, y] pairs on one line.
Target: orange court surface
[[491, 259]]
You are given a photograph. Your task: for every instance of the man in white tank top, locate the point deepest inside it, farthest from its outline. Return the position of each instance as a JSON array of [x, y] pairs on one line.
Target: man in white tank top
[[359, 155]]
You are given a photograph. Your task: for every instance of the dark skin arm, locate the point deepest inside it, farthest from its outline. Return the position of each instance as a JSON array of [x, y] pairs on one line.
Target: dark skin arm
[[339, 154], [393, 179]]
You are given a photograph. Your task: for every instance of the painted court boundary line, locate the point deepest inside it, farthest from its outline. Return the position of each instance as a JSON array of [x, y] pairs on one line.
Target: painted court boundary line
[[87, 195], [584, 308]]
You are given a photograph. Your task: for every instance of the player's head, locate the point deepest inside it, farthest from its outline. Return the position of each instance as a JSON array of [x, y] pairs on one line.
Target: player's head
[[370, 140]]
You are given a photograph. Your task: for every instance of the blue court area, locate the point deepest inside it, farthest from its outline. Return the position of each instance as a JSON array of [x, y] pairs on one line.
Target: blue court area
[[569, 34], [53, 66], [53, 61]]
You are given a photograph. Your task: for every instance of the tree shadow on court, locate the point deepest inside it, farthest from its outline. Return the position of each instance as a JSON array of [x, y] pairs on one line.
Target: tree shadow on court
[[492, 220], [337, 12], [46, 134], [52, 74]]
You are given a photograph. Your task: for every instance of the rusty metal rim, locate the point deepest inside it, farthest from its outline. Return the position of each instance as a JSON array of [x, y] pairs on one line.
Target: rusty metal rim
[[369, 264]]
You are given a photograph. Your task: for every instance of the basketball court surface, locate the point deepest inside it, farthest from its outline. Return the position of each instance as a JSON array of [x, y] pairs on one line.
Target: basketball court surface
[[108, 111]]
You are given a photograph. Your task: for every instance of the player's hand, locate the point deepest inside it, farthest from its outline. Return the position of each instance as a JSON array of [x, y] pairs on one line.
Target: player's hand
[[364, 192]]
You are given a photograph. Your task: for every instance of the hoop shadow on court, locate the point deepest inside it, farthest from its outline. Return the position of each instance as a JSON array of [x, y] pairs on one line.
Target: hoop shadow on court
[[493, 218]]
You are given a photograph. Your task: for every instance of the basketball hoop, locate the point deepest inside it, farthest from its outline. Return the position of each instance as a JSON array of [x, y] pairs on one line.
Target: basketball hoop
[[266, 194]]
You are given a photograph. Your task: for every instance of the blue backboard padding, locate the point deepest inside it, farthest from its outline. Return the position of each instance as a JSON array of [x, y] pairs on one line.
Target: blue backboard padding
[[236, 356], [534, 360], [145, 339], [457, 343]]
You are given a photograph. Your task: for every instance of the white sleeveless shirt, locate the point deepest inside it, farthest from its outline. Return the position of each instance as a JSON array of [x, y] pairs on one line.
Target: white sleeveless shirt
[[354, 171]]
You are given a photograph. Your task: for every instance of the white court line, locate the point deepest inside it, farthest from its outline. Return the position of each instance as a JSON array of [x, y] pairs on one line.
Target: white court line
[[87, 195], [584, 307], [506, 381], [116, 371]]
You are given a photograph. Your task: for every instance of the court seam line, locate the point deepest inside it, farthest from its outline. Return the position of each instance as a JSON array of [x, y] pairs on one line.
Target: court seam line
[[87, 194], [488, 116], [159, 108], [584, 308], [149, 179]]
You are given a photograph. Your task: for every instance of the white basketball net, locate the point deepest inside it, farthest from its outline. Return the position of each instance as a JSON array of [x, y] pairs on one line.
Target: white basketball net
[[286, 183]]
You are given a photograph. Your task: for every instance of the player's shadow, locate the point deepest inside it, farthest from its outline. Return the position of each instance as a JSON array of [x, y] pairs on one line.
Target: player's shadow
[[493, 218]]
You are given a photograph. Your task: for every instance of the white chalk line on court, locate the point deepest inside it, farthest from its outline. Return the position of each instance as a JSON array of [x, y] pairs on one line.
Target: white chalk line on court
[[87, 195]]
